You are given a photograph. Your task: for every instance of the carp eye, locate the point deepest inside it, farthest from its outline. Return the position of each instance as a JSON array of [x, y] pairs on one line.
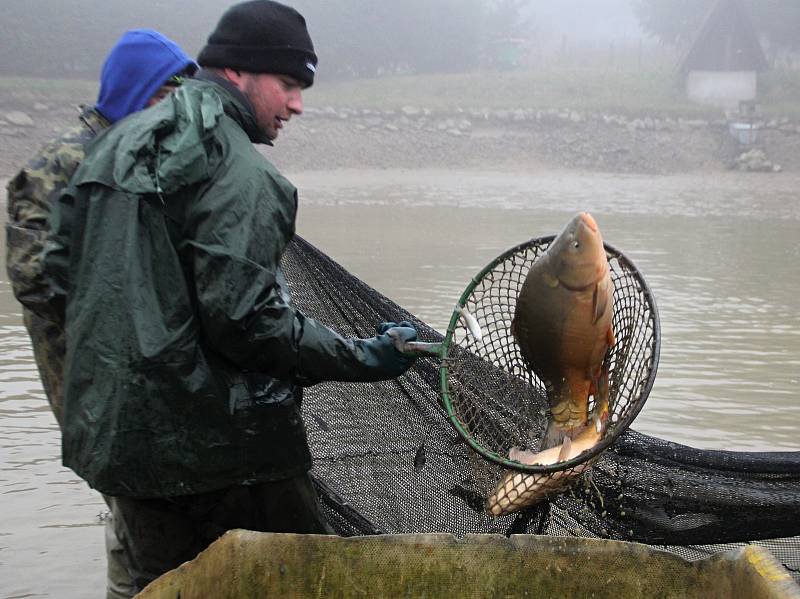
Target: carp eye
[[576, 244]]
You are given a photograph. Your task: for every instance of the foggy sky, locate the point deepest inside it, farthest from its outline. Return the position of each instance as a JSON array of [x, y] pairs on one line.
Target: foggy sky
[[588, 20]]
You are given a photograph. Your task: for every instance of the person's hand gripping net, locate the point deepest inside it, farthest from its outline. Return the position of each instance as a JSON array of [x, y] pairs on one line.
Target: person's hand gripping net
[[386, 347]]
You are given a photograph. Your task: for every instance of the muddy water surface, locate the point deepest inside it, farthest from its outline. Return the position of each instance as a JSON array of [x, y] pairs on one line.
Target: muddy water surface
[[720, 253]]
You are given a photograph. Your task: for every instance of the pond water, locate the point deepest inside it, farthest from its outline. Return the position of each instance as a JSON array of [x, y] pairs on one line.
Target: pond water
[[719, 252]]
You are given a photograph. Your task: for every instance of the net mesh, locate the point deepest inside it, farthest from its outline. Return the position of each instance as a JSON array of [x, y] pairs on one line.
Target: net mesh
[[387, 460]]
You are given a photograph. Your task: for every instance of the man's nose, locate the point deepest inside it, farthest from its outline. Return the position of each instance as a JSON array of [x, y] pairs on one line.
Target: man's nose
[[295, 102]]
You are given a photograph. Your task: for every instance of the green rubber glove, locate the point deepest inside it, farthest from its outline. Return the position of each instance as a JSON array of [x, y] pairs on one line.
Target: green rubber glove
[[380, 351]]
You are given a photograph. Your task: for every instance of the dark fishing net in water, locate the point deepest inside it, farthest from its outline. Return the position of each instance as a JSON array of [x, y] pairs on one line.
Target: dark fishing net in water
[[387, 460]]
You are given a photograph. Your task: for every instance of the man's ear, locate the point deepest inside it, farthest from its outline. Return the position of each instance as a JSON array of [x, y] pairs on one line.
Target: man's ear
[[233, 76]]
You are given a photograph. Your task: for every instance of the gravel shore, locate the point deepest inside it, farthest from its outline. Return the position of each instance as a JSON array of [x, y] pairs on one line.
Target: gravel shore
[[330, 139]]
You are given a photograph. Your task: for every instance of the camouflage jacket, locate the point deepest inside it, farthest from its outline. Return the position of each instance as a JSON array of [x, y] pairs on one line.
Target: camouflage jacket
[[31, 194]]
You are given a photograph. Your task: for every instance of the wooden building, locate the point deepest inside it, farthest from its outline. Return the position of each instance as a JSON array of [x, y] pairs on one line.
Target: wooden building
[[722, 65]]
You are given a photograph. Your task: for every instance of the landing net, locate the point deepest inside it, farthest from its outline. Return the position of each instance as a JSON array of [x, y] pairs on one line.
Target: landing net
[[386, 460], [496, 401]]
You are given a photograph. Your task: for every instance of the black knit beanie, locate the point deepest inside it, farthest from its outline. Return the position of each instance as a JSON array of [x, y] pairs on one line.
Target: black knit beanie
[[262, 36]]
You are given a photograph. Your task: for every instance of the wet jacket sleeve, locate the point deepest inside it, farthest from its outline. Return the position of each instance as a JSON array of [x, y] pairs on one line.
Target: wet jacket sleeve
[[235, 235], [56, 255]]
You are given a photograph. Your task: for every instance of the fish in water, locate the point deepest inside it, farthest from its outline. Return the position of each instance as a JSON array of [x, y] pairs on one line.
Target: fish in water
[[420, 458], [563, 324], [472, 498], [518, 490], [320, 422]]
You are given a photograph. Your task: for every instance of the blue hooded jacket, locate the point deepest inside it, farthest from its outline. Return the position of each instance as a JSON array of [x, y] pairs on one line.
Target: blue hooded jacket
[[138, 64]]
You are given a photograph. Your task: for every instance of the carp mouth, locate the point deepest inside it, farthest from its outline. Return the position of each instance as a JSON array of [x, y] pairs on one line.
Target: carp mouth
[[589, 221]]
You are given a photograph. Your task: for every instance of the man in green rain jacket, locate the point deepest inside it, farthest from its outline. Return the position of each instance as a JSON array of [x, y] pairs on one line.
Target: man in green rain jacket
[[142, 67], [184, 354]]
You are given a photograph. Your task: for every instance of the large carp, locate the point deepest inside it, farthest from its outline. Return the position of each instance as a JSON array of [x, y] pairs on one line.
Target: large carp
[[562, 324]]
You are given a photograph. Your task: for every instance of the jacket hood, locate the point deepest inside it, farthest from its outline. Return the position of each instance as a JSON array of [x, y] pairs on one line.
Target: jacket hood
[[164, 148], [138, 64]]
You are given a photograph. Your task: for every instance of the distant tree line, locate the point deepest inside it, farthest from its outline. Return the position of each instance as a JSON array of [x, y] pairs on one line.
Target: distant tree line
[[70, 38], [354, 38]]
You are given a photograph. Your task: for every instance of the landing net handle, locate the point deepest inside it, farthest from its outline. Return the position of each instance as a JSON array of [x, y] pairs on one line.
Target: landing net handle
[[495, 402]]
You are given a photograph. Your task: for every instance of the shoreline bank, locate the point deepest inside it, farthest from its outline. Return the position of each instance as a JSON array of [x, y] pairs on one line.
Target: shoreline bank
[[413, 138]]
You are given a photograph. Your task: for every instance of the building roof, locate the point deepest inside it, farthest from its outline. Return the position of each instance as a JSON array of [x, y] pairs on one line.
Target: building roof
[[727, 41]]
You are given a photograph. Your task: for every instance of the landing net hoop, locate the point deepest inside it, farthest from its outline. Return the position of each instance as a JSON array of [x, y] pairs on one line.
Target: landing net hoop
[[494, 412]]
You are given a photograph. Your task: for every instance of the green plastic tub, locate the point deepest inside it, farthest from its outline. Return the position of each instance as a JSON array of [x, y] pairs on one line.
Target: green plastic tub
[[245, 564]]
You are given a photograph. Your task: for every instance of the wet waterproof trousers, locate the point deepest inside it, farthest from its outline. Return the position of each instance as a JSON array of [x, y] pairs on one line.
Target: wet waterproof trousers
[[157, 535]]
